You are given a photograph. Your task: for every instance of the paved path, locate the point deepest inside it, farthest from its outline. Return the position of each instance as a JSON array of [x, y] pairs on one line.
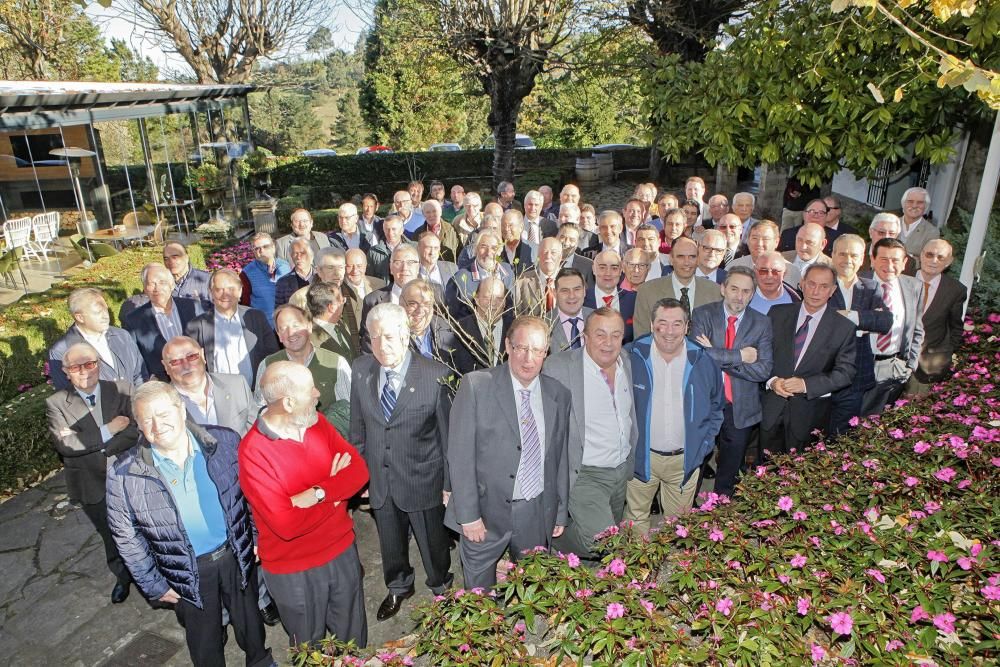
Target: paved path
[[55, 606]]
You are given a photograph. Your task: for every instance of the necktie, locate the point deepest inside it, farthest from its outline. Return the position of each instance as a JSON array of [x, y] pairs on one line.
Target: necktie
[[927, 295], [388, 398], [529, 469], [730, 340], [92, 399], [550, 294], [574, 333], [608, 299], [800, 338], [685, 301], [533, 229], [883, 341]]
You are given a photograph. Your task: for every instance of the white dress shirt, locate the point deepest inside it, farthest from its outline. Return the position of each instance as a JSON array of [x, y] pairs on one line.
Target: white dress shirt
[[898, 318], [608, 421], [537, 411]]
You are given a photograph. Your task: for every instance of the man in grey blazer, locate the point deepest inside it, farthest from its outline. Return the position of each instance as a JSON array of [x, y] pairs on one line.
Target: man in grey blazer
[[897, 352], [740, 341], [508, 456], [90, 422], [569, 314], [680, 284], [216, 399], [399, 423], [432, 268], [602, 430]]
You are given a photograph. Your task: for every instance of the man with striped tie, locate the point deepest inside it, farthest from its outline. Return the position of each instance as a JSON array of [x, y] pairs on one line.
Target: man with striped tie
[[897, 351], [814, 355], [508, 456]]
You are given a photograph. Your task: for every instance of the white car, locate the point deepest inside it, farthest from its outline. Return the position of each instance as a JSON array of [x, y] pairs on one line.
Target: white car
[[444, 147], [319, 152], [521, 142]]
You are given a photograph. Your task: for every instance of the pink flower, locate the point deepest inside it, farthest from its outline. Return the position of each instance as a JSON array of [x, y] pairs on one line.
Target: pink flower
[[647, 605], [854, 421], [944, 622], [617, 567], [938, 556], [716, 535], [681, 531], [911, 481], [966, 563], [785, 503], [573, 560], [876, 575], [583, 593], [990, 592], [945, 474], [800, 515], [965, 483], [921, 447], [841, 622], [803, 606], [464, 648], [615, 610], [784, 578], [918, 614], [798, 560], [818, 652], [724, 606], [893, 645]]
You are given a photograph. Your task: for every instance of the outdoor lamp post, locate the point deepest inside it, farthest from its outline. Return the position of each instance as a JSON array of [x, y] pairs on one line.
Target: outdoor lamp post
[[74, 156]]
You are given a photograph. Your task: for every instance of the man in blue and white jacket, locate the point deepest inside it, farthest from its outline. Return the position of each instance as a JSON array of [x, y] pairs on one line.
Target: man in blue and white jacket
[[679, 401]]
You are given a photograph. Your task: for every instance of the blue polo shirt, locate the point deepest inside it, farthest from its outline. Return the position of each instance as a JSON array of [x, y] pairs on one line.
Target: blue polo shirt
[[196, 497]]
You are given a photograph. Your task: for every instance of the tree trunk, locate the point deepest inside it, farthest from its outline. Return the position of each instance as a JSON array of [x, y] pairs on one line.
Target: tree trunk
[[655, 161], [503, 121], [971, 178]]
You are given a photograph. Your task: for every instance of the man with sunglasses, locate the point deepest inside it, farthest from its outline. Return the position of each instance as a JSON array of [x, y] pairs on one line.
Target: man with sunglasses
[[260, 277], [91, 421]]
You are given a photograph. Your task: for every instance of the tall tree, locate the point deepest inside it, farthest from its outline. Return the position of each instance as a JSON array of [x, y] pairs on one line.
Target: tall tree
[[221, 40], [131, 65], [349, 130]]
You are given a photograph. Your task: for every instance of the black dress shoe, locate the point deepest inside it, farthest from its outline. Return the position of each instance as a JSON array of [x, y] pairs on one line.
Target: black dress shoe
[[120, 592], [391, 604], [270, 614], [708, 472]]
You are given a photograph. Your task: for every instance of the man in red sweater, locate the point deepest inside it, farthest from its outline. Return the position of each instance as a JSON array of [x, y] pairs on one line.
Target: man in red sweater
[[306, 539]]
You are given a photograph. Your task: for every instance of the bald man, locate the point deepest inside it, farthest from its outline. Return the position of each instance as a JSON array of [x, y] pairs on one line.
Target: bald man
[[810, 243]]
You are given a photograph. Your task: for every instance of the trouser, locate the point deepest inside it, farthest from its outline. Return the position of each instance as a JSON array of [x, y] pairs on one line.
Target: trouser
[[433, 541], [328, 597], [220, 585], [98, 515], [915, 387], [890, 377], [528, 531], [844, 404], [596, 501], [666, 476], [732, 451], [263, 597], [782, 437]]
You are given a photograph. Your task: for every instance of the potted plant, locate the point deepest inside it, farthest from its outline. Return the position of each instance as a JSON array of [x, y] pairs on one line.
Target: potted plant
[[257, 164], [209, 181]]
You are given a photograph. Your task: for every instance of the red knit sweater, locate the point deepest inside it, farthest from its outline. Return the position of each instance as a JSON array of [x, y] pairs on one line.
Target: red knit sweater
[[292, 539]]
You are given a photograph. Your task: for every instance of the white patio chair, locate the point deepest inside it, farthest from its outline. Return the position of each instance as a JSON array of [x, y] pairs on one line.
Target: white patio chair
[[17, 233], [45, 227]]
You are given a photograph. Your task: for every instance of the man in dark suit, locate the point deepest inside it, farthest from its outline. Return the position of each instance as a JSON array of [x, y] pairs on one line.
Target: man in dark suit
[[602, 430], [711, 250], [944, 303], [164, 317], [432, 267], [357, 285], [430, 335], [856, 299], [508, 456], [90, 422], [190, 283], [235, 338], [813, 357], [450, 244], [118, 357], [325, 303], [349, 236], [458, 294], [301, 257], [569, 238], [399, 423], [518, 252], [606, 291], [740, 341], [609, 234], [569, 313], [480, 335], [898, 351], [405, 266]]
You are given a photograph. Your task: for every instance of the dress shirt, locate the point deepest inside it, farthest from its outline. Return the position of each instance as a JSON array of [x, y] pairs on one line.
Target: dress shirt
[[762, 304], [678, 285], [95, 410], [100, 343], [424, 343], [169, 324], [698, 273], [655, 269], [802, 265], [905, 230], [726, 315], [813, 325], [537, 411], [667, 425], [608, 421], [599, 295], [934, 283], [353, 241], [532, 231], [361, 290], [434, 275], [193, 403], [231, 354], [567, 326], [898, 317], [397, 382], [395, 293], [848, 295]]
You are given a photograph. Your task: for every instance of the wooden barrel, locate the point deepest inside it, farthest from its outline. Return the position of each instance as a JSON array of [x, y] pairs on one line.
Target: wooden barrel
[[587, 170], [605, 166]]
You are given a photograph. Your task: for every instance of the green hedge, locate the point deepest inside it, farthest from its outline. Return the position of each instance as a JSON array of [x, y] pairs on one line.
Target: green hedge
[[26, 453]]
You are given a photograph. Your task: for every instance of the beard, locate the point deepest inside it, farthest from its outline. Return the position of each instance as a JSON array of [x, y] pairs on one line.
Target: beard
[[304, 418]]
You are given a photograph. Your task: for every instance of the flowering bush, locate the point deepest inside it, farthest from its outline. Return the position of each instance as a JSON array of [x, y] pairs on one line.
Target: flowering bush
[[879, 548], [233, 257]]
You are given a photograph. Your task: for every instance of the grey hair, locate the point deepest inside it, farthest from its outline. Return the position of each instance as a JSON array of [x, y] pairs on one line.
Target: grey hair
[[83, 296], [885, 216], [279, 381], [348, 208], [156, 265], [753, 199], [330, 252], [390, 314], [153, 390], [432, 203], [225, 271], [910, 191], [533, 194], [301, 241], [741, 271], [82, 345]]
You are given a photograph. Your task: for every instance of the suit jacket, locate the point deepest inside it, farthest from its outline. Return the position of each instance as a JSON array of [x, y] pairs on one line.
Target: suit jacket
[[754, 330], [406, 454], [381, 295], [597, 247], [128, 367], [921, 233], [528, 295], [338, 240], [827, 365], [461, 289], [943, 328], [355, 304], [524, 257], [446, 269], [282, 245], [913, 323], [484, 451], [626, 307], [581, 264], [258, 334], [471, 347], [443, 342], [558, 342], [235, 407], [651, 291], [872, 318], [288, 285], [84, 453], [790, 257], [338, 344], [141, 323], [787, 239], [451, 244], [567, 368]]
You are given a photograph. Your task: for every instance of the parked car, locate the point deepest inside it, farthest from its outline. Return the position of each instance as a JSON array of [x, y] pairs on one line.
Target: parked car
[[374, 149], [319, 152], [521, 141], [612, 147], [444, 147]]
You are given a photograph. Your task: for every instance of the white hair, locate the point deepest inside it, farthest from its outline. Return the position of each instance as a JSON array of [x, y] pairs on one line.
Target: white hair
[[885, 217], [910, 191], [389, 315]]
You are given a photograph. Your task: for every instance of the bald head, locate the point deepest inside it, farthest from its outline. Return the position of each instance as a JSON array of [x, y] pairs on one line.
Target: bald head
[[810, 241]]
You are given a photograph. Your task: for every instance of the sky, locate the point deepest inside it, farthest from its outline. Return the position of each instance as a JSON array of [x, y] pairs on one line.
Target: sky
[[344, 23]]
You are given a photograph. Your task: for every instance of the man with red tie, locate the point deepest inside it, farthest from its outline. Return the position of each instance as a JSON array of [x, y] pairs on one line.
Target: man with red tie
[[739, 340], [606, 291]]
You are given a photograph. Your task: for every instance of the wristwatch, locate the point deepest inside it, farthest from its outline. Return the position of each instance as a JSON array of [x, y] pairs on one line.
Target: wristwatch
[[320, 494]]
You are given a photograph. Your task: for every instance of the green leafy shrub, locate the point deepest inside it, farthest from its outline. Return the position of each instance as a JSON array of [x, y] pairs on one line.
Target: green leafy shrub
[[26, 452], [986, 293]]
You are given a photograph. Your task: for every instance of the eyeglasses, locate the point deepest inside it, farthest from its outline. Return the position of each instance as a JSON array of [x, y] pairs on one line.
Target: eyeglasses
[[770, 272], [710, 249], [636, 265], [190, 357], [405, 262], [816, 211], [528, 350], [416, 306], [76, 368]]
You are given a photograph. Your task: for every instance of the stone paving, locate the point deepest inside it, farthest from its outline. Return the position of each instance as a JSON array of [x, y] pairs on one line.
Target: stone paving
[[55, 606]]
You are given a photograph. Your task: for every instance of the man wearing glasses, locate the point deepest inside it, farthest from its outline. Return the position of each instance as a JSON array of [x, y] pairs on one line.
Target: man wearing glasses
[[508, 456], [823, 212], [430, 335], [636, 267], [763, 238], [260, 277], [91, 421], [711, 250], [771, 287], [404, 266], [732, 228], [349, 235], [302, 228]]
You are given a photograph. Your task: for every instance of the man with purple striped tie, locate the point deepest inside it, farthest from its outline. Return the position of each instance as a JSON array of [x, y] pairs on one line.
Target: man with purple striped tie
[[508, 457], [814, 355]]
